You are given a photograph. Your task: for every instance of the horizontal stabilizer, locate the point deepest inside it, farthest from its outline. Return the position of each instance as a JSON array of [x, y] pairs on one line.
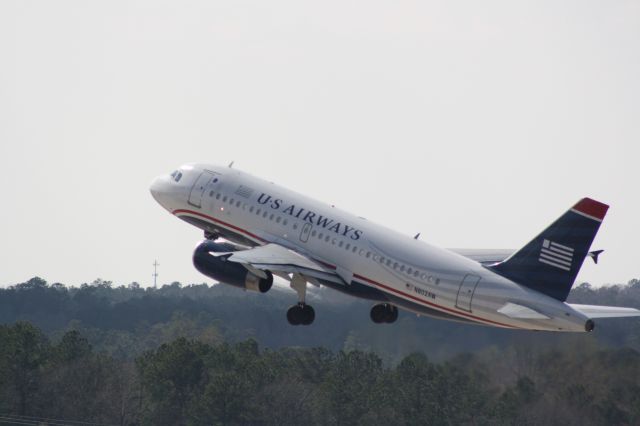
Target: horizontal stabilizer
[[513, 310], [594, 255], [592, 311]]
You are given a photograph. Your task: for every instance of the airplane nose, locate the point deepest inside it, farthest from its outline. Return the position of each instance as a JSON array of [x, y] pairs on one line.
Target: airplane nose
[[166, 190], [155, 188], [159, 189]]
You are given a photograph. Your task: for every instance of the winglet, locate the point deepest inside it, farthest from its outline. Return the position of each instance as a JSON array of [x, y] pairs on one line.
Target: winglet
[[591, 208]]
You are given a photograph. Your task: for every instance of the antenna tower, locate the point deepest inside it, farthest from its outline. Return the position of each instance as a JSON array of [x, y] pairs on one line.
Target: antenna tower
[[155, 273]]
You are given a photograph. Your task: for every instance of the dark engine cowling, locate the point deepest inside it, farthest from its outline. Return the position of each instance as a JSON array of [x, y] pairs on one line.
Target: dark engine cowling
[[227, 272]]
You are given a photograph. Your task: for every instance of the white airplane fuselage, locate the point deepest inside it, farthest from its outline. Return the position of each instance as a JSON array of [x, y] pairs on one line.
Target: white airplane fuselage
[[374, 262]]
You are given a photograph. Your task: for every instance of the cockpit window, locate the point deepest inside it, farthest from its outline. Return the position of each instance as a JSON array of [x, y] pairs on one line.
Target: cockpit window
[[177, 175]]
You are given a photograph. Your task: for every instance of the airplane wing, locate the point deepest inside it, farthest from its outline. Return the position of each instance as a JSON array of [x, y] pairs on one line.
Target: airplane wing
[[592, 311], [484, 256], [280, 260]]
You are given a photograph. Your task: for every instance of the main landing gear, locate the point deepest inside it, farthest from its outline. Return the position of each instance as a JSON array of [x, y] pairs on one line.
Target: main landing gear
[[384, 313], [300, 314]]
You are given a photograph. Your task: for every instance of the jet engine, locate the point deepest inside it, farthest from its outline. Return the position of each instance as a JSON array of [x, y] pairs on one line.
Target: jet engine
[[221, 269]]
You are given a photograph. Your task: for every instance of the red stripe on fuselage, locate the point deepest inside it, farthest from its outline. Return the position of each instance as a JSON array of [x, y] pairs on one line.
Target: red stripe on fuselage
[[453, 312], [213, 219], [368, 280]]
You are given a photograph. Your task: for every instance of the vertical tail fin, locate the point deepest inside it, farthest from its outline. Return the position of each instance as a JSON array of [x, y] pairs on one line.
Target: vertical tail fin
[[551, 261]]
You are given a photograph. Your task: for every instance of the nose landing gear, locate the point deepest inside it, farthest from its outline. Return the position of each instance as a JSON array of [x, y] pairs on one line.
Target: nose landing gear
[[211, 235], [384, 313]]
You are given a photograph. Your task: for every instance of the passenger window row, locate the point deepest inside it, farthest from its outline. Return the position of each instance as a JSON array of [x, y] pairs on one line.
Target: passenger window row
[[407, 270]]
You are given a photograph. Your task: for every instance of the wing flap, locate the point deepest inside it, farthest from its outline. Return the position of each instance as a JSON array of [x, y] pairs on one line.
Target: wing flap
[[276, 258], [274, 254], [593, 311]]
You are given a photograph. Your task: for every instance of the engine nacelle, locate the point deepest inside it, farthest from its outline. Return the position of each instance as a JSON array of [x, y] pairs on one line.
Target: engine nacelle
[[227, 272]]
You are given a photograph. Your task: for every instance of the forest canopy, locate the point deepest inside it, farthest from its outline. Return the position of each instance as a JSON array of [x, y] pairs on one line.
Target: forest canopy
[[199, 354]]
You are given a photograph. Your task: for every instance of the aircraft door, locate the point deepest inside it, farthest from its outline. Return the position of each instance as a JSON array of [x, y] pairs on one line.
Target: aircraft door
[[304, 234], [466, 291], [199, 187]]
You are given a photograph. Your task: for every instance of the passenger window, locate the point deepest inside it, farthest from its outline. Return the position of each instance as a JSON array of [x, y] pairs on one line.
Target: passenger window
[[258, 212], [217, 196], [295, 226], [355, 249], [265, 214], [327, 238], [347, 246], [278, 219], [271, 217], [251, 209], [215, 180], [368, 254], [224, 199], [238, 203], [313, 233], [178, 177], [423, 276], [409, 270], [211, 194], [231, 201], [284, 222], [340, 243], [388, 262], [416, 273], [395, 265], [401, 268], [320, 235]]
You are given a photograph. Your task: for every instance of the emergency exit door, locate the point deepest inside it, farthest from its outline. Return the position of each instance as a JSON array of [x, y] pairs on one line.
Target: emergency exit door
[[304, 234]]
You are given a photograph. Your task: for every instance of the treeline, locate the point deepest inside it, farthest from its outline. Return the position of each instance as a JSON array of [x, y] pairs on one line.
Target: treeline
[[124, 321], [188, 382]]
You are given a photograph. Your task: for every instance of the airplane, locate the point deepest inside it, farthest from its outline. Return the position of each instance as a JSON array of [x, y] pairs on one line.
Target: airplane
[[255, 230]]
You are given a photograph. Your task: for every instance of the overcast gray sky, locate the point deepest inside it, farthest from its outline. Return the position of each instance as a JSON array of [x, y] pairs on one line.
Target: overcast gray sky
[[475, 123]]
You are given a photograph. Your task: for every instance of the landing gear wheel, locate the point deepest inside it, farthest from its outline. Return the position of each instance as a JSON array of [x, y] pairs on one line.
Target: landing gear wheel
[[378, 313], [308, 315], [301, 314], [293, 315], [384, 313], [392, 314]]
